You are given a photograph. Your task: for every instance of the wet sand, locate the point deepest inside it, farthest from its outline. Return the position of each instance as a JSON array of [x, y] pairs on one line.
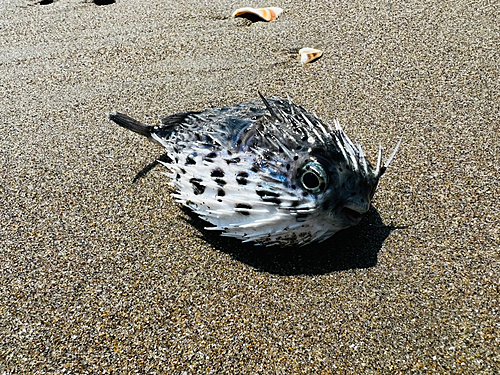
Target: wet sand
[[102, 272]]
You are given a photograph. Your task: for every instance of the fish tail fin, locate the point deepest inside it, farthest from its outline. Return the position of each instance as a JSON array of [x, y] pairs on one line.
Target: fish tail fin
[[131, 124]]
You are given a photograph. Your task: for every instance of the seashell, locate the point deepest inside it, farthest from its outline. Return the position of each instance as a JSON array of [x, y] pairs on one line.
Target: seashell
[[258, 14], [308, 55]]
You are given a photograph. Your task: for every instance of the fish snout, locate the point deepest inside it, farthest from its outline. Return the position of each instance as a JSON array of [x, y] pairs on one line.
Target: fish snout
[[354, 210]]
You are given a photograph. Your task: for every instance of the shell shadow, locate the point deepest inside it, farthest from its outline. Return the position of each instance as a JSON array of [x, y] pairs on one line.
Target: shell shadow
[[351, 248]]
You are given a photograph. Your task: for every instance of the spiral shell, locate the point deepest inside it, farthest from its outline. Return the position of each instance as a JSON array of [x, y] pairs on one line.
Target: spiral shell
[[258, 14], [308, 55]]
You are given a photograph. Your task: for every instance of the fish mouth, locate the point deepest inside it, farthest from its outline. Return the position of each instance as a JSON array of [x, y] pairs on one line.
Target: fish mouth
[[353, 211], [351, 214]]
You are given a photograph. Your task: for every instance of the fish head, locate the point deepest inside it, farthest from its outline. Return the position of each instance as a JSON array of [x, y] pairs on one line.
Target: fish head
[[341, 191]]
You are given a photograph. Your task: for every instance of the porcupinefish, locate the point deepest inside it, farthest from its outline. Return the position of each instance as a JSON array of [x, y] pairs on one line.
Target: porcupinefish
[[267, 172]]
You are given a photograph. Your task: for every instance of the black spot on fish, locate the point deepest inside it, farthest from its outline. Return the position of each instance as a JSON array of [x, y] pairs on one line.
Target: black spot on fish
[[269, 196], [241, 178], [220, 181], [243, 205], [182, 170], [255, 167], [266, 193], [217, 173], [221, 193], [242, 181], [296, 157], [211, 155], [197, 187], [233, 161], [190, 160]]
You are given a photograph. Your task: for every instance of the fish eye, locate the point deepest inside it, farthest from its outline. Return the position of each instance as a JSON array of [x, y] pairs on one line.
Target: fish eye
[[313, 177]]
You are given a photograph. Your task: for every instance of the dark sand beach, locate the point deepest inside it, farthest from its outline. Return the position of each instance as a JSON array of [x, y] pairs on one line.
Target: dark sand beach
[[102, 272]]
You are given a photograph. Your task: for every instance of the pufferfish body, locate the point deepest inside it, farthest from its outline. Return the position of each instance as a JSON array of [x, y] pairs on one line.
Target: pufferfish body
[[267, 172]]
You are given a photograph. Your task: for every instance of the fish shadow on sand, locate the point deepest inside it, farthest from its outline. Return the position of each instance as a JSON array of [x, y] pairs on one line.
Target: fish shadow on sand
[[352, 248], [148, 168]]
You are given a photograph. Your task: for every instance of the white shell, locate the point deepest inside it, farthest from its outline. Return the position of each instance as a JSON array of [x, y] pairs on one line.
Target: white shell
[[265, 14], [308, 55]]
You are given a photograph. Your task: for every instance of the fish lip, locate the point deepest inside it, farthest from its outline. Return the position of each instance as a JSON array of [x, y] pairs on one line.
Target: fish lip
[[351, 215], [353, 212]]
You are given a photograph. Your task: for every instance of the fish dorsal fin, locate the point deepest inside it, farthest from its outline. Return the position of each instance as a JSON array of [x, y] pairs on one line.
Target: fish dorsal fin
[[171, 123], [177, 118], [269, 108]]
